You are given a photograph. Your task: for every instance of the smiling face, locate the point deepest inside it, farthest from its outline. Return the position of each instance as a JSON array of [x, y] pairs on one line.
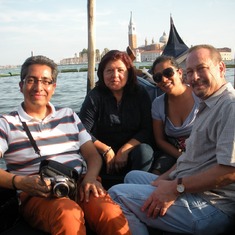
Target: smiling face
[[115, 75], [168, 84], [37, 93], [205, 75]]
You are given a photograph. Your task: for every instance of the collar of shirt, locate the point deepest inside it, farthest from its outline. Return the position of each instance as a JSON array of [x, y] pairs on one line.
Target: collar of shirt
[[212, 100], [27, 118]]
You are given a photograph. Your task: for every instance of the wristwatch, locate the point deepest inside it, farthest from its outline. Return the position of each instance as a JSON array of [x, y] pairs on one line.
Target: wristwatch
[[180, 187]]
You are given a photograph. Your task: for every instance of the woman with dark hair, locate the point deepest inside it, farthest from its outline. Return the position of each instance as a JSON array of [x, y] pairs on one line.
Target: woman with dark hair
[[173, 113], [117, 113]]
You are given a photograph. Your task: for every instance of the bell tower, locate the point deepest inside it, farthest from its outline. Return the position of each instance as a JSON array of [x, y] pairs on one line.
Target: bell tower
[[132, 34]]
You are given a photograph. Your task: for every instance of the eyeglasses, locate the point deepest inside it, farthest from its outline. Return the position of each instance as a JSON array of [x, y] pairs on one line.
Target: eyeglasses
[[168, 73], [44, 82]]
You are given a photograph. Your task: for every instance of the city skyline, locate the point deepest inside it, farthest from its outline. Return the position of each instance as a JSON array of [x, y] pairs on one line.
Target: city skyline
[[58, 29]]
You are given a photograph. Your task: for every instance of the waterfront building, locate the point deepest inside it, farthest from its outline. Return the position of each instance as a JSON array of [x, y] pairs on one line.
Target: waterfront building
[[72, 60], [226, 53], [132, 34], [173, 46], [146, 52], [150, 55]]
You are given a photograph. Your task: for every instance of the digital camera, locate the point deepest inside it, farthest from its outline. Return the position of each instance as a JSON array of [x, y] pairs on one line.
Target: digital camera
[[61, 186], [63, 178]]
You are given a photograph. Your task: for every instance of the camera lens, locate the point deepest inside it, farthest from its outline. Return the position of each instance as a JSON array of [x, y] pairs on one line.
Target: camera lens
[[61, 190]]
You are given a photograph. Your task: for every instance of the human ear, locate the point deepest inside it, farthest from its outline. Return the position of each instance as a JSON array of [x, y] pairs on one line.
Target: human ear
[[222, 68], [21, 86]]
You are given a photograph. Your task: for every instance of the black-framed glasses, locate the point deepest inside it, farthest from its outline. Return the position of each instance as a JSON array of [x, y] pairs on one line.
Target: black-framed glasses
[[168, 73], [44, 82]]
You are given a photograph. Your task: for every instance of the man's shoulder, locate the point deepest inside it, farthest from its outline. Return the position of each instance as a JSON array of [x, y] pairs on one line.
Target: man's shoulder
[[10, 115], [231, 92], [63, 110], [228, 95], [222, 97]]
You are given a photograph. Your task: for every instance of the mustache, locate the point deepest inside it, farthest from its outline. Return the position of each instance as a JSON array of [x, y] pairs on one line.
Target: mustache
[[198, 83]]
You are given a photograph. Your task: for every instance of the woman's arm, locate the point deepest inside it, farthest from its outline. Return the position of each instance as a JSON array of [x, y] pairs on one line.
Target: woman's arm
[[161, 141], [88, 113], [145, 132], [89, 117]]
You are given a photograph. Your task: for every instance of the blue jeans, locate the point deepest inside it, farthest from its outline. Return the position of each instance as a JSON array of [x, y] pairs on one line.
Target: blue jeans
[[141, 157], [189, 213]]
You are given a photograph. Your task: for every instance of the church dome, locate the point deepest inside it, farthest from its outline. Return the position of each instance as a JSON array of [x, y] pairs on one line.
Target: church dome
[[163, 38]]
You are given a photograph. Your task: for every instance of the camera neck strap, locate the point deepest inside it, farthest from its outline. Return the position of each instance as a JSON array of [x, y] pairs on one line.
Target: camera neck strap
[[32, 141]]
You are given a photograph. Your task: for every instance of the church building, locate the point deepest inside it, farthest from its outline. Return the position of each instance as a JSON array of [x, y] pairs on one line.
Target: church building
[[148, 51]]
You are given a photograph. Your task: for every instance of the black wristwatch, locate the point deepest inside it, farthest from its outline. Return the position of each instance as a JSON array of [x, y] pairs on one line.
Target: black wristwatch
[[180, 187]]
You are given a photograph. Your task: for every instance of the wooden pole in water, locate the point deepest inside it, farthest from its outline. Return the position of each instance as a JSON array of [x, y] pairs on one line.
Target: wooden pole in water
[[91, 44]]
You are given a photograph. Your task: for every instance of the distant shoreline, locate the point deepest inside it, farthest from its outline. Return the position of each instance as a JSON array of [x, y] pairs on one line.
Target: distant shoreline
[[84, 69], [230, 65]]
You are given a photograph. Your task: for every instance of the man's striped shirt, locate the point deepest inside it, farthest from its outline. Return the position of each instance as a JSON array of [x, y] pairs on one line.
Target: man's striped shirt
[[59, 137]]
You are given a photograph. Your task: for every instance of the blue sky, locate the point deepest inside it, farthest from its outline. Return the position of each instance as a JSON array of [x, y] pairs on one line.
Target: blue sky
[[58, 28]]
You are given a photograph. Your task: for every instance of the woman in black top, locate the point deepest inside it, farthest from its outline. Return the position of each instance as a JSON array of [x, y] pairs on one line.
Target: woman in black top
[[117, 113]]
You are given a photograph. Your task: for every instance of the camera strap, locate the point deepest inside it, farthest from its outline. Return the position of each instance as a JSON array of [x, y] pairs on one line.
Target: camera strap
[[54, 167], [32, 141]]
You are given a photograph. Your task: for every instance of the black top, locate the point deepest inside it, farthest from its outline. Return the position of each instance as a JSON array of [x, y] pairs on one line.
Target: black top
[[115, 124]]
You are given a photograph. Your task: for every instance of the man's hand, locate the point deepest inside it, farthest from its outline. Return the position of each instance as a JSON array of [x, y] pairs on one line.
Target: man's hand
[[33, 185], [161, 199], [89, 185]]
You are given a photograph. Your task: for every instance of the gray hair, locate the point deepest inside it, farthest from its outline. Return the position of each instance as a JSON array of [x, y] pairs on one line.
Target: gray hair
[[215, 54], [42, 60]]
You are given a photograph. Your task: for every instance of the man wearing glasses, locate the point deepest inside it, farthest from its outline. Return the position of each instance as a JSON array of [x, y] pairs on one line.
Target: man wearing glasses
[[60, 136], [197, 195]]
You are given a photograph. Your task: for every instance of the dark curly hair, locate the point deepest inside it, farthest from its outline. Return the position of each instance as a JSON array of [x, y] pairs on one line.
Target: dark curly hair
[[215, 54], [115, 55]]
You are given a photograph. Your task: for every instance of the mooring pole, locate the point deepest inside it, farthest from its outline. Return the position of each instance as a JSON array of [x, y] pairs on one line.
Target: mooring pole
[[91, 44]]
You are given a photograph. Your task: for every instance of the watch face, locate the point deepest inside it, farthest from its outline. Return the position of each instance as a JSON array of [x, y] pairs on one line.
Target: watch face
[[180, 188]]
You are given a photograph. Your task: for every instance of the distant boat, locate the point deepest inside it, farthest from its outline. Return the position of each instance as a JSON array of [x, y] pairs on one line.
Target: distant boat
[[175, 45]]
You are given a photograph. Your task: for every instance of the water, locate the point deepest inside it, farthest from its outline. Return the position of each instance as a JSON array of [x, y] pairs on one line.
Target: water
[[70, 90]]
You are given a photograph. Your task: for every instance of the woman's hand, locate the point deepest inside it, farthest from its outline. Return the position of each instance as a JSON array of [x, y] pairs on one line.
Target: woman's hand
[[109, 159], [121, 159]]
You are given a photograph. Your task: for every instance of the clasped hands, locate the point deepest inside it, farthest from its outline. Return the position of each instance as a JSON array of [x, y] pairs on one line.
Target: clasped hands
[[115, 163]]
